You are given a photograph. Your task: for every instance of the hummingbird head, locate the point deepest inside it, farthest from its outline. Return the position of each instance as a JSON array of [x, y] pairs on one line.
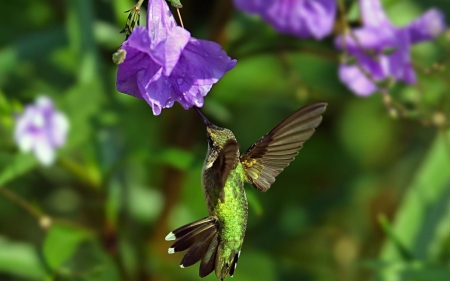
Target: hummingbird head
[[216, 136]]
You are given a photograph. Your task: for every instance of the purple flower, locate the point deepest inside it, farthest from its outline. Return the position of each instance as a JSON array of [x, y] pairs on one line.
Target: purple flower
[[41, 129], [382, 49], [302, 18], [164, 64]]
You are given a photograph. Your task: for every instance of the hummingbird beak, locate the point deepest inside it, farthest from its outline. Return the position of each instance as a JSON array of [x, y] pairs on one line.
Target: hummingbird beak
[[205, 120]]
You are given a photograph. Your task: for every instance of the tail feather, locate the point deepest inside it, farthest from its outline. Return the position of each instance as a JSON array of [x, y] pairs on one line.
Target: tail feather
[[202, 239], [198, 250], [191, 238], [182, 231], [234, 263], [209, 259]]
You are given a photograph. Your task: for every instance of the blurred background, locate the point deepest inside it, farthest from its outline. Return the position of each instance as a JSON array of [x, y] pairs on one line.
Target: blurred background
[[367, 198]]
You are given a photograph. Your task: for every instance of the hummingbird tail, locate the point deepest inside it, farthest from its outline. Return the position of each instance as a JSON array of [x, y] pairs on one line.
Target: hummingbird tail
[[234, 264], [201, 238]]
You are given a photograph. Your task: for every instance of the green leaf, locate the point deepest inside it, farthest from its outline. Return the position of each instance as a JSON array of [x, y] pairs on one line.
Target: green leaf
[[15, 166], [416, 270], [176, 3], [426, 273], [387, 228], [95, 264], [20, 259], [4, 105], [424, 213], [60, 244]]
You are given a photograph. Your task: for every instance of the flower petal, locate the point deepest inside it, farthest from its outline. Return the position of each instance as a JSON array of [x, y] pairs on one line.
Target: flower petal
[[297, 17], [168, 52], [399, 62], [164, 64], [44, 152], [319, 16], [24, 132], [373, 14], [369, 39], [25, 142], [287, 16], [59, 126], [429, 25], [139, 41], [355, 80], [382, 49], [253, 6], [136, 64], [203, 63], [158, 90], [44, 103], [194, 96], [159, 21], [41, 129]]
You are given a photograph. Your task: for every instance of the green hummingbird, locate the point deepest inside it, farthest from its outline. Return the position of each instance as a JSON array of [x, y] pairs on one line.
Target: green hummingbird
[[217, 240]]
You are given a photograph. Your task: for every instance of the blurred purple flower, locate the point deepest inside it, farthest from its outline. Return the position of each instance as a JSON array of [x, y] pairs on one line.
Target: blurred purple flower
[[382, 49], [302, 18], [164, 64], [41, 129]]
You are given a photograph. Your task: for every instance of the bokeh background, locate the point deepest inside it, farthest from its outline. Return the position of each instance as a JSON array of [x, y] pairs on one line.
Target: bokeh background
[[366, 199]]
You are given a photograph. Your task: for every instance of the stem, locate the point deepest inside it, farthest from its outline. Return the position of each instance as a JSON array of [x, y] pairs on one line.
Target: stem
[[431, 71], [179, 16], [32, 210], [80, 172], [45, 221]]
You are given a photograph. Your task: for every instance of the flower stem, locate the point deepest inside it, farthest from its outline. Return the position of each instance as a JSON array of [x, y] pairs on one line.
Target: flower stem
[[32, 210], [179, 16], [80, 172], [45, 221]]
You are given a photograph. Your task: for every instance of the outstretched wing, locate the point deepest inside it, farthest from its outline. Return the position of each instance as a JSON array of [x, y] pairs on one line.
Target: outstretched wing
[[268, 157]]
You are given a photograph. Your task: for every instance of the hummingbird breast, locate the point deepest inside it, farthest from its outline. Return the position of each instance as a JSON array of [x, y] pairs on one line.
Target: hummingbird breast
[[235, 197], [231, 214]]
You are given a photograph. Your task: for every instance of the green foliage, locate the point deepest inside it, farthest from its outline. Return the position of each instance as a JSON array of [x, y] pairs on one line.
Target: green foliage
[[60, 244], [422, 221], [176, 3], [21, 259], [15, 166]]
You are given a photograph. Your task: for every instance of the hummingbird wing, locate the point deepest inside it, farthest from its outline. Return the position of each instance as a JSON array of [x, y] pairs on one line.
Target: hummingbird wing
[[268, 157], [200, 238], [225, 162]]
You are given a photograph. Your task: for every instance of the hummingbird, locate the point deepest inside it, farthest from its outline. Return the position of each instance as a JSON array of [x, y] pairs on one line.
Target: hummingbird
[[217, 239]]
